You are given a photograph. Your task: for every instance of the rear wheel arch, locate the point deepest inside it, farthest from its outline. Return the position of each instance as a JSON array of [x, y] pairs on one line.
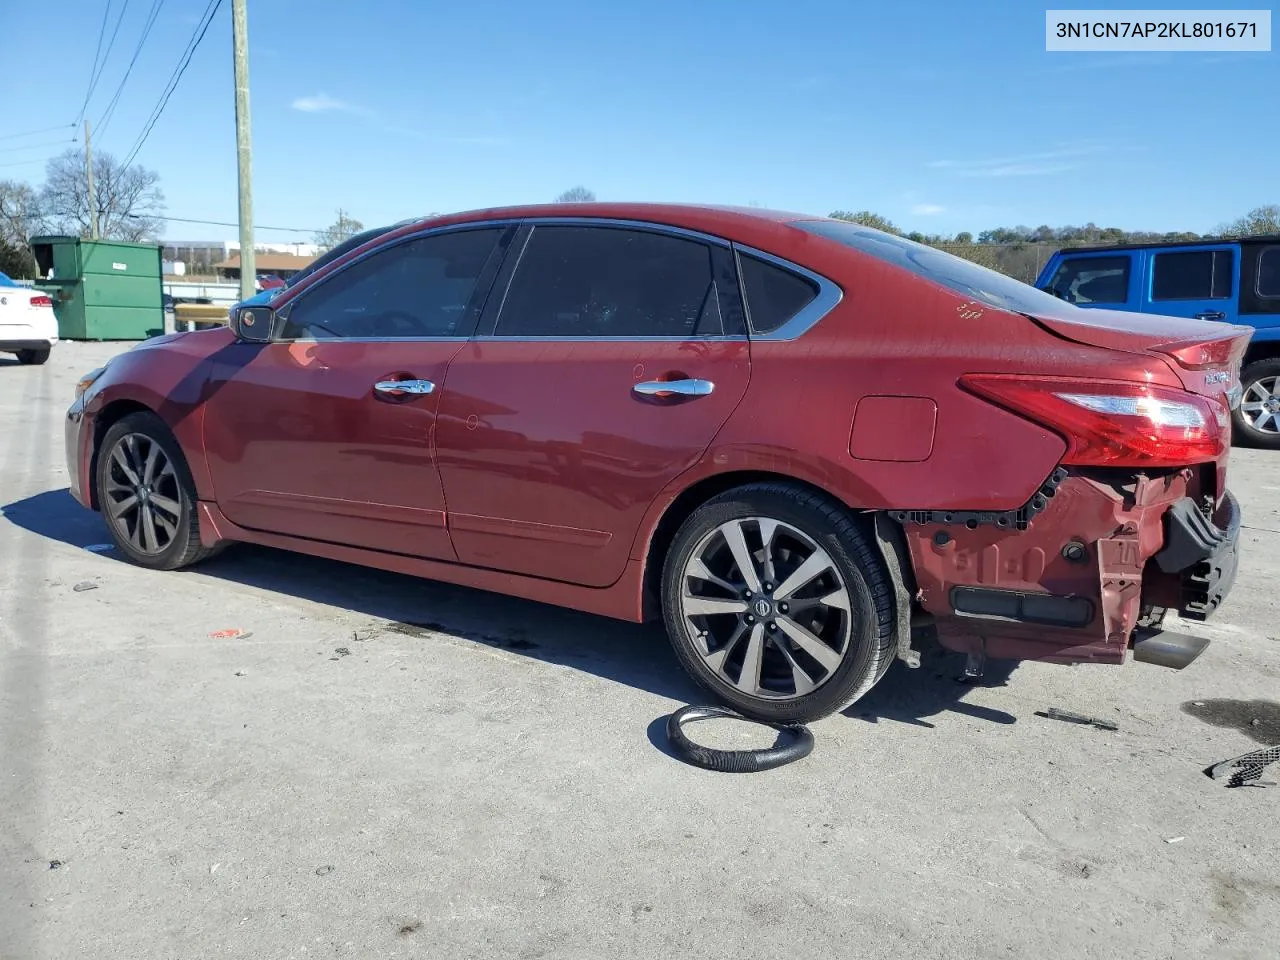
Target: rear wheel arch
[[707, 489], [1261, 350]]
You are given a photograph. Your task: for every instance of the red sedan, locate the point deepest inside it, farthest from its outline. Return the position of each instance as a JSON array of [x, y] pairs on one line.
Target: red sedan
[[789, 437]]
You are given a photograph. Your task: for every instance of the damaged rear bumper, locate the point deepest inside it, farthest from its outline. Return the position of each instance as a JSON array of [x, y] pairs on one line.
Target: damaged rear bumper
[[1087, 578]]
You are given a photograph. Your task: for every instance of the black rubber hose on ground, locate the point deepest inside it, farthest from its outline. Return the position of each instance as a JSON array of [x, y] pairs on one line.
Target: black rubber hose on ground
[[794, 743]]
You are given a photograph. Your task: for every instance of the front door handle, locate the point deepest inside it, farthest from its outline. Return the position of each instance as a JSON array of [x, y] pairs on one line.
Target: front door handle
[[404, 388], [1211, 315], [679, 388]]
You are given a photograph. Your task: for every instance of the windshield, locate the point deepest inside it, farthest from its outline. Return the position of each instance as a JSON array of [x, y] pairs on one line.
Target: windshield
[[963, 276]]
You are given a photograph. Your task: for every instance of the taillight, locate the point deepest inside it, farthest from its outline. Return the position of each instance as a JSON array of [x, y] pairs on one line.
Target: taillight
[[1114, 423], [41, 302]]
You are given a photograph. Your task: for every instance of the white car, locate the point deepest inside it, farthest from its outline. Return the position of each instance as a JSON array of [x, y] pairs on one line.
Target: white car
[[27, 324]]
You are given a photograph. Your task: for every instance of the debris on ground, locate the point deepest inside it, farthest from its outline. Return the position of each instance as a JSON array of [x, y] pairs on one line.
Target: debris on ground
[[1247, 768], [84, 585], [54, 864], [321, 871], [241, 673], [341, 652], [1053, 713], [1174, 839], [232, 633]]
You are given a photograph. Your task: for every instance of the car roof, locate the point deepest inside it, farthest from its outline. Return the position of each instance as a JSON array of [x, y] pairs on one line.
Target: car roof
[[660, 213], [1161, 244]]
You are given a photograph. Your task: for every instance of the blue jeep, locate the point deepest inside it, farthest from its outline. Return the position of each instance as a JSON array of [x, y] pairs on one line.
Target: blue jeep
[[1233, 281]]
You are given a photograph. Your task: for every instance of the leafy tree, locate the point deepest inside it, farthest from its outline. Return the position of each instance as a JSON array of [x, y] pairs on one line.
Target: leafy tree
[[867, 219], [1259, 220], [577, 194], [16, 260], [344, 228], [963, 237], [129, 201]]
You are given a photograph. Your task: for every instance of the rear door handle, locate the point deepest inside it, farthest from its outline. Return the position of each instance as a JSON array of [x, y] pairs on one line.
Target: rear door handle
[[1211, 315], [401, 388], [680, 388]]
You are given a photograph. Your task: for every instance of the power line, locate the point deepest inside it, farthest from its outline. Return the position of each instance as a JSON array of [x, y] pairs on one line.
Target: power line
[[23, 163], [220, 223], [93, 83], [181, 68], [32, 133], [33, 146], [102, 32], [146, 29]]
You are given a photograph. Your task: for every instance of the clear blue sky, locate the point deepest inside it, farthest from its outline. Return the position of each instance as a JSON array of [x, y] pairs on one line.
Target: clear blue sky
[[942, 116]]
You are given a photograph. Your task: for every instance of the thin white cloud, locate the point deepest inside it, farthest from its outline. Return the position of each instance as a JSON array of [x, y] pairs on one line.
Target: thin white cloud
[[1058, 160], [320, 103], [927, 209]]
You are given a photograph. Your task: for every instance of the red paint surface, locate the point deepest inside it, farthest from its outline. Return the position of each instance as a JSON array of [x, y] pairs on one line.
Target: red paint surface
[[534, 470]]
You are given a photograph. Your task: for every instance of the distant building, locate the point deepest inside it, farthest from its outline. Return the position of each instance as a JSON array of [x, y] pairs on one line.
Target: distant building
[[200, 257], [283, 265]]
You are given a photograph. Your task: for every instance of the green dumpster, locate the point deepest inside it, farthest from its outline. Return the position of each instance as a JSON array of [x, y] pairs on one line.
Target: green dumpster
[[101, 289]]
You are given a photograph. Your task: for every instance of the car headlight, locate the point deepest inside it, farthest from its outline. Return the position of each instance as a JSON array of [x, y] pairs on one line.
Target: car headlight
[[86, 381]]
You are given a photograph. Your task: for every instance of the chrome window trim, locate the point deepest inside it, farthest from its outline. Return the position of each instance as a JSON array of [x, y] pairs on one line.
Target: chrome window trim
[[617, 224], [284, 308], [828, 298]]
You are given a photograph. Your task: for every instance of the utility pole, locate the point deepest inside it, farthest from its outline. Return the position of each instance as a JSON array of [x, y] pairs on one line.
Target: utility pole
[[244, 147], [93, 194]]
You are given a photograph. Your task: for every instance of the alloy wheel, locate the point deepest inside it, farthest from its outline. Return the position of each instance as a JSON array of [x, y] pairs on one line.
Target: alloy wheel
[[141, 494], [767, 608], [1260, 405]]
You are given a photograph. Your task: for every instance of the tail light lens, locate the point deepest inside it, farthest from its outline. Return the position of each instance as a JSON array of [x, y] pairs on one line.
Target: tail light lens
[[1112, 424], [41, 302]]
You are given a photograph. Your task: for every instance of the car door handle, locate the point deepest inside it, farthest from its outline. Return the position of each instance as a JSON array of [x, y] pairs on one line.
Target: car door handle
[[1211, 315], [399, 388], [681, 388]]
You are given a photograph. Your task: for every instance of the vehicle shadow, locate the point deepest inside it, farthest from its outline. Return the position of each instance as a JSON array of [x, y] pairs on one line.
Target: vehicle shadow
[[631, 654]]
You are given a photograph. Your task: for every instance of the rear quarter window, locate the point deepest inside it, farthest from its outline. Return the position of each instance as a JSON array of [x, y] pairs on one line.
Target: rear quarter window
[[774, 294], [1092, 279], [1268, 284]]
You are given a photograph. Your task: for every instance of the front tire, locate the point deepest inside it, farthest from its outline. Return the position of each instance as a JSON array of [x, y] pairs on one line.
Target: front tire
[[34, 357], [776, 602], [147, 495], [1256, 421]]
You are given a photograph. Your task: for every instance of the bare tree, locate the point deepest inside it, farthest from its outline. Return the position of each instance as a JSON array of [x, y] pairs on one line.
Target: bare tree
[[577, 194], [344, 228], [19, 212], [129, 199]]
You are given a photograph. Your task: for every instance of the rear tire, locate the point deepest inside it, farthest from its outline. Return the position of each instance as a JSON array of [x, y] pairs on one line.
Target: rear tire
[[147, 496], [34, 357], [1259, 424], [805, 633]]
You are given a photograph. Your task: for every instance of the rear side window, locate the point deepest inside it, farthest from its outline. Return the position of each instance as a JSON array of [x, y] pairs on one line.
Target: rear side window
[[608, 282], [774, 295], [1091, 280], [1269, 273], [1194, 275]]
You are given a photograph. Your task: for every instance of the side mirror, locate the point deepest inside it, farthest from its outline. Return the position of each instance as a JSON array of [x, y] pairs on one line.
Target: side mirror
[[253, 324]]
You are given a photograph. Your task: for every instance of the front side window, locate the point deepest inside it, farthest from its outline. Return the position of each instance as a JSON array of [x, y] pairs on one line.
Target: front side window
[[586, 281], [419, 288], [1193, 275], [1092, 280], [1269, 273]]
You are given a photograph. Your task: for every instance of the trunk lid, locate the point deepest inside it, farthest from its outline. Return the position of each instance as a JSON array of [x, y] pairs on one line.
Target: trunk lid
[[1205, 356]]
